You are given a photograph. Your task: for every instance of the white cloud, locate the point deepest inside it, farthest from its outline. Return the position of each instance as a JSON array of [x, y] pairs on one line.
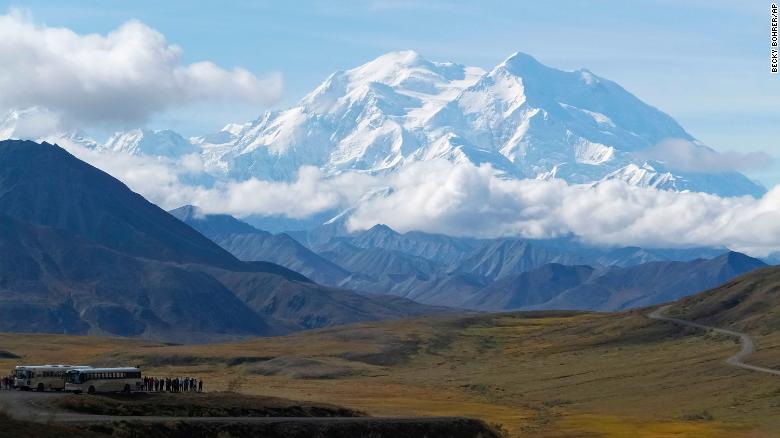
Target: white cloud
[[121, 77], [309, 194], [31, 122], [192, 163], [684, 155], [164, 182], [466, 200], [473, 201]]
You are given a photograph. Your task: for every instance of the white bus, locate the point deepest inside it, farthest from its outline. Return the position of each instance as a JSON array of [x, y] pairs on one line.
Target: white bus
[[92, 380], [42, 377]]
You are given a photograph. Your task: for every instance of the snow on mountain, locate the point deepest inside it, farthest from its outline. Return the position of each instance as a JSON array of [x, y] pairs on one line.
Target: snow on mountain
[[370, 118], [525, 119], [645, 176], [163, 143], [39, 124]]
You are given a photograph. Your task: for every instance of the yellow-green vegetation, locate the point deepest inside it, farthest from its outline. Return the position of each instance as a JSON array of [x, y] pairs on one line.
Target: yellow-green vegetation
[[543, 374]]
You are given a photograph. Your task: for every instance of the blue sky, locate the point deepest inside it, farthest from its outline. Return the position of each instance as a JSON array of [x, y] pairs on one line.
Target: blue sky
[[704, 62]]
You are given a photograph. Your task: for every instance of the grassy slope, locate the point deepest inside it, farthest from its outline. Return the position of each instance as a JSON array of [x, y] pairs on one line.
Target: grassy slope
[[749, 303], [559, 374]]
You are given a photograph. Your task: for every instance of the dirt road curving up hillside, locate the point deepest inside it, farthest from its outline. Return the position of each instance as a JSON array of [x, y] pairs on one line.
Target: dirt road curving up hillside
[[746, 342]]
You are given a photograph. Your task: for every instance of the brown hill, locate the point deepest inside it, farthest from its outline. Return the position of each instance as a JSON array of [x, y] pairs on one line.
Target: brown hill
[[750, 302]]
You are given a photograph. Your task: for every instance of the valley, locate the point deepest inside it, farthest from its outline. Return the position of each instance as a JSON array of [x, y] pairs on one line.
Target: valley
[[140, 286], [389, 219], [535, 374]]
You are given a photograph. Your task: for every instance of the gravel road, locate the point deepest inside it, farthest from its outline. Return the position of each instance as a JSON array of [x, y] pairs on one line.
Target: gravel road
[[748, 347]]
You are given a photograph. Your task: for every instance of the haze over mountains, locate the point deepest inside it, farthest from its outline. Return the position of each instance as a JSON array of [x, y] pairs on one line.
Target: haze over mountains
[[494, 275], [81, 253]]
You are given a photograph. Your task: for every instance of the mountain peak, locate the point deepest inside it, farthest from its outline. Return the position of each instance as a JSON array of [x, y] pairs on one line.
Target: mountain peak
[[407, 71], [381, 228], [389, 68], [735, 258], [401, 57], [75, 197], [208, 224], [163, 142], [523, 64], [187, 212], [520, 60]]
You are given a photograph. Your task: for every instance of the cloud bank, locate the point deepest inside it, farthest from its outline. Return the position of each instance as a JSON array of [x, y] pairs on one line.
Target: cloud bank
[[121, 77], [473, 201], [468, 200], [684, 155]]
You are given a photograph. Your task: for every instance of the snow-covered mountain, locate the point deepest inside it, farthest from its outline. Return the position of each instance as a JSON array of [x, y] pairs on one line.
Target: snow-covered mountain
[[163, 143], [523, 118], [39, 124]]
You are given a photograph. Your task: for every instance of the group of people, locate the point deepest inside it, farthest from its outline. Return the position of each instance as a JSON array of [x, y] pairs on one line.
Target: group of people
[[7, 382], [168, 384]]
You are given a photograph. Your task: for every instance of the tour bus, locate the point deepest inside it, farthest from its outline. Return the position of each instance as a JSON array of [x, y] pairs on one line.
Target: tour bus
[[92, 380], [42, 377]]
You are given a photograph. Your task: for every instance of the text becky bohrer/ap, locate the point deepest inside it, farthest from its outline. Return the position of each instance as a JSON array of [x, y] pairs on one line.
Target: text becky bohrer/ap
[[773, 37]]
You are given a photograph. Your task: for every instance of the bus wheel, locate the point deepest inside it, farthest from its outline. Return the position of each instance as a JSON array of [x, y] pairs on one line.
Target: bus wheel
[[40, 387], [127, 389], [91, 390]]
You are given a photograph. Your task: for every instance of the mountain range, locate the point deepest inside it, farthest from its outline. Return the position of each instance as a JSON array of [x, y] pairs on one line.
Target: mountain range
[[81, 253], [523, 118], [94, 257], [492, 275]]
